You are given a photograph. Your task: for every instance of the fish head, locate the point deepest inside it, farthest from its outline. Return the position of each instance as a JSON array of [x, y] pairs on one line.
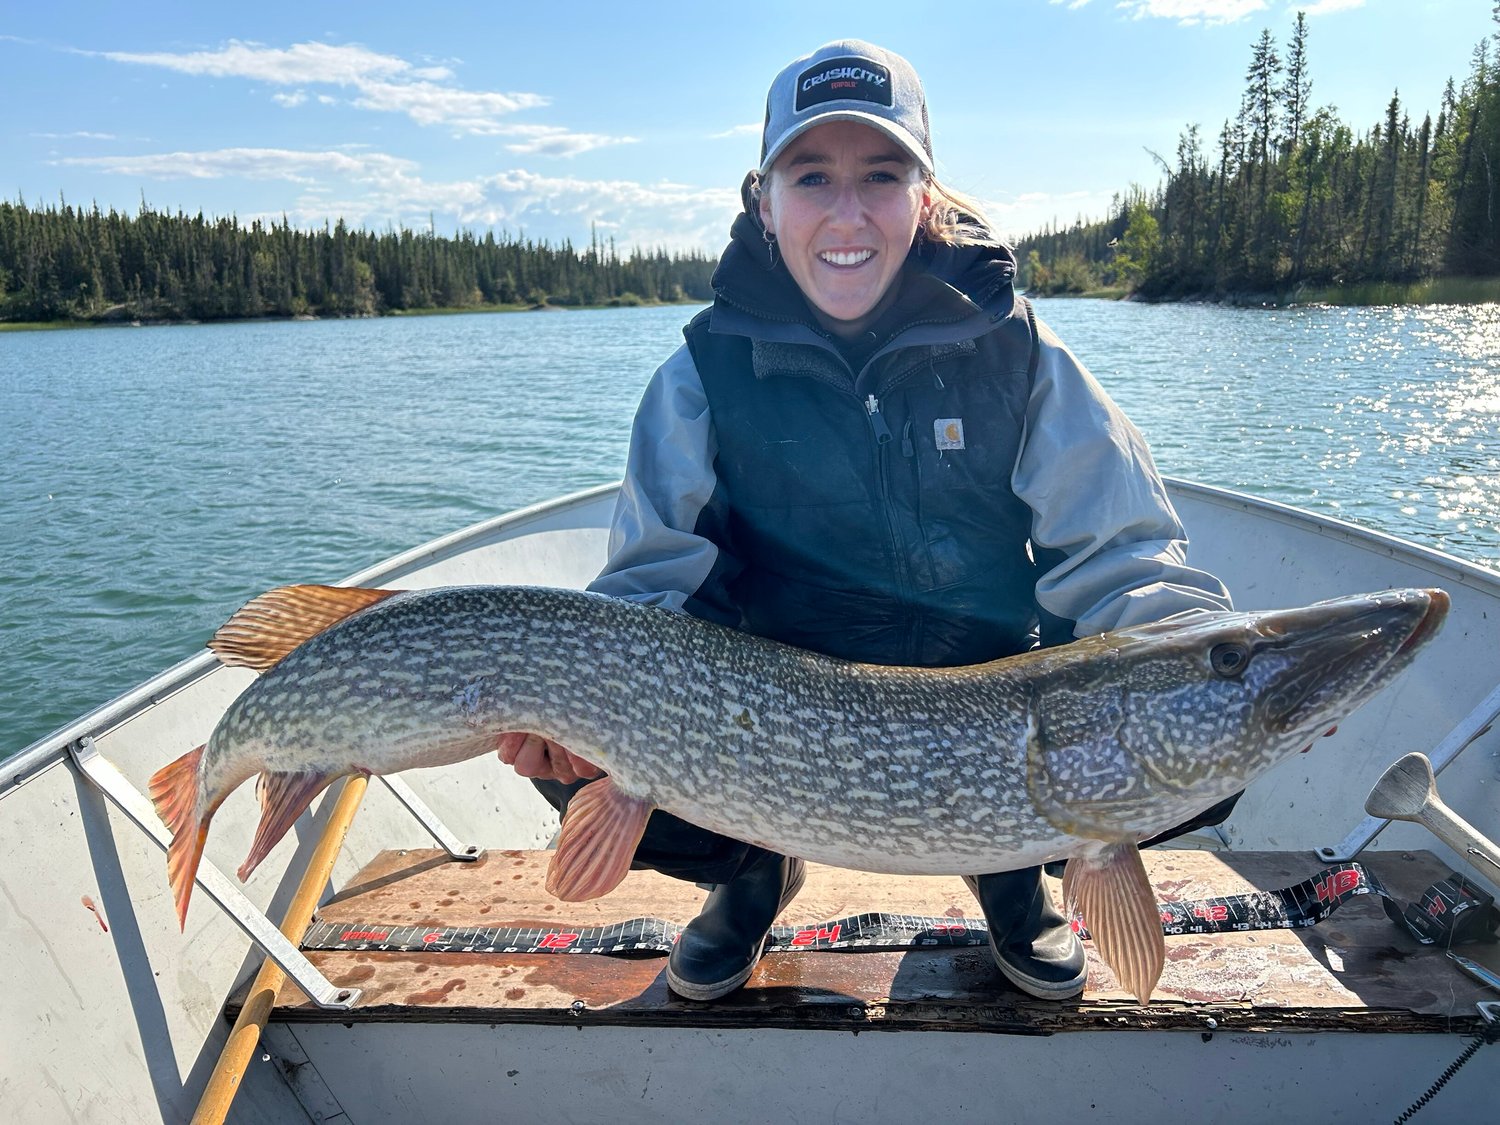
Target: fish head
[[1148, 726]]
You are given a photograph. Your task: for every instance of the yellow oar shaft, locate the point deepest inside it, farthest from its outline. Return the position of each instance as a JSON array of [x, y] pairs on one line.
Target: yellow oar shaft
[[225, 1081]]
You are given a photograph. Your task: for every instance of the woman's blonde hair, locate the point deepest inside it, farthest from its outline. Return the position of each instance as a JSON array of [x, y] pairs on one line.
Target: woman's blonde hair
[[956, 218]]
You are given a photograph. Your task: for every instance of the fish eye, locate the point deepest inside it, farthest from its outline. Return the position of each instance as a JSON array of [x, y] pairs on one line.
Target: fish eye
[[1229, 659]]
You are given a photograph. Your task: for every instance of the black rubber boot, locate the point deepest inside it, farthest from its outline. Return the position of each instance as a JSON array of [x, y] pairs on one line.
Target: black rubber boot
[[1033, 944], [719, 948]]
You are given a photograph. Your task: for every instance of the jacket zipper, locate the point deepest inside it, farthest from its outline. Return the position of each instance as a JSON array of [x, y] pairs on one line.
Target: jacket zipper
[[877, 421], [901, 567]]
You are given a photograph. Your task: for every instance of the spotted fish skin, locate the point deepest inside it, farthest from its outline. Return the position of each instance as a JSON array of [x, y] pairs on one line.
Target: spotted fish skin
[[1079, 751], [918, 771]]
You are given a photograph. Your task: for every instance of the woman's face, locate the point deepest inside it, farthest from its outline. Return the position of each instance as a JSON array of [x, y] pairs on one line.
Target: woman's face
[[844, 201]]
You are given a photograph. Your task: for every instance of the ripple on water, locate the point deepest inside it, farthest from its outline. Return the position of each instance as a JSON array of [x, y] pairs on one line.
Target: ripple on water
[[1382, 415], [169, 474]]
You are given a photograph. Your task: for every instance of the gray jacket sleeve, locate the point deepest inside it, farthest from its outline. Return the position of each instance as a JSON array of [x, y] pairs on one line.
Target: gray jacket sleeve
[[1096, 497], [656, 554]]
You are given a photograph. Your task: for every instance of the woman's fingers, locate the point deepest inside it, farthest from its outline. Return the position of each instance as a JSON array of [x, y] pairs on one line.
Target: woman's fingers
[[527, 752], [569, 766], [540, 758]]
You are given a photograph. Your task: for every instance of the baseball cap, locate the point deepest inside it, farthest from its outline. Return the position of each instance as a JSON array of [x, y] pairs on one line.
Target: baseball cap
[[847, 80]]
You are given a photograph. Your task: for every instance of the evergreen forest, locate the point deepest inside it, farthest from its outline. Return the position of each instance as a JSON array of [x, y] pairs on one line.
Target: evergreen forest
[[1289, 198], [68, 263]]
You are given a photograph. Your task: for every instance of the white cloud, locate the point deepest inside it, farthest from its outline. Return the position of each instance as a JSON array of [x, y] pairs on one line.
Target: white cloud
[[748, 130], [1191, 12], [427, 103], [1327, 7], [373, 189], [248, 163], [1029, 212], [677, 216], [295, 65], [381, 83], [78, 135], [553, 140], [1213, 12]]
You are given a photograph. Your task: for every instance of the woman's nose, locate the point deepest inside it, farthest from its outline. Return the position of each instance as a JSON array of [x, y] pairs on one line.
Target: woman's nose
[[848, 206]]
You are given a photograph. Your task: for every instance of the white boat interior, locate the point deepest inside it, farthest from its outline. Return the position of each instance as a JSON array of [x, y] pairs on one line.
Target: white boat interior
[[112, 1014]]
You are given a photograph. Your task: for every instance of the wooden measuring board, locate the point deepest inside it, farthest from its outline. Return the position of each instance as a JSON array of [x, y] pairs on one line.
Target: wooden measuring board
[[1354, 971]]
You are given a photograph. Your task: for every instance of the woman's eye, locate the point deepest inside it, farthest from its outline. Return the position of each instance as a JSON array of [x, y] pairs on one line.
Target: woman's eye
[[812, 179]]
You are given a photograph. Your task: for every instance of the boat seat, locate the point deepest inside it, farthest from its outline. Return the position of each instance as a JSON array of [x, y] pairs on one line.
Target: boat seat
[[1354, 971]]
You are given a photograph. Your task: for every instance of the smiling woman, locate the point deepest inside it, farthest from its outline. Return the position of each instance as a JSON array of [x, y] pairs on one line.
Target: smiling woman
[[843, 204], [870, 448]]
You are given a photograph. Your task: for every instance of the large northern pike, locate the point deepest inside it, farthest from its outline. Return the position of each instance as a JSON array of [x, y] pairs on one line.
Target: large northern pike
[[1079, 751]]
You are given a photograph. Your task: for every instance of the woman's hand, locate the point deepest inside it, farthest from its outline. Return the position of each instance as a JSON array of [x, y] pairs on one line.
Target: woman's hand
[[541, 758]]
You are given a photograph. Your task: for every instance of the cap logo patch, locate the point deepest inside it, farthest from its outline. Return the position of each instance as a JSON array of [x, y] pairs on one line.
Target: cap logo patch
[[846, 79]]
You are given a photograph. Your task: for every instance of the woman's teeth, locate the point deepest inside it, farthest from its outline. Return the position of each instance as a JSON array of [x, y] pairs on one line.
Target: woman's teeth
[[846, 258]]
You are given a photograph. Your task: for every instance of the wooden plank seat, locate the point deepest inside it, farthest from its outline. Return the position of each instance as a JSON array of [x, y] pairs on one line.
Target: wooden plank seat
[[1355, 971]]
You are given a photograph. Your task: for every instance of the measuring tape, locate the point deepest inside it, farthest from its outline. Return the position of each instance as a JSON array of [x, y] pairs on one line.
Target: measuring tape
[[1306, 904]]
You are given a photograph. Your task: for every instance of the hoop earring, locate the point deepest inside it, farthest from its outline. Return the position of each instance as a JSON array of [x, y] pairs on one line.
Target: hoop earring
[[770, 240]]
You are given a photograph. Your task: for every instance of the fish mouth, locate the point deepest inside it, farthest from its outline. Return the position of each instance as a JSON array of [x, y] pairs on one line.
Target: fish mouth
[[1438, 604], [1360, 646]]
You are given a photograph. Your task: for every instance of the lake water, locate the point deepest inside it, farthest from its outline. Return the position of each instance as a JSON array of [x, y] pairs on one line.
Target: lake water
[[154, 479]]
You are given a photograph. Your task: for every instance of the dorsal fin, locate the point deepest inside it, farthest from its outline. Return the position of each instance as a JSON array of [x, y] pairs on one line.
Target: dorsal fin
[[269, 627]]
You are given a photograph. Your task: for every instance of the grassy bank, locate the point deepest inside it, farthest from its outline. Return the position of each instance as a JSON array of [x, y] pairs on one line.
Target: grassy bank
[[1434, 291], [44, 325]]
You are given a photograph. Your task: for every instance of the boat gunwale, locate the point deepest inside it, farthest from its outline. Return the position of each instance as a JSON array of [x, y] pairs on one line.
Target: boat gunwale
[[1381, 542], [50, 749], [47, 751]]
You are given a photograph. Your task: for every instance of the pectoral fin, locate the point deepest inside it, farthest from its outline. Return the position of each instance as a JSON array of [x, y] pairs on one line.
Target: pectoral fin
[[1109, 887], [597, 842], [283, 798]]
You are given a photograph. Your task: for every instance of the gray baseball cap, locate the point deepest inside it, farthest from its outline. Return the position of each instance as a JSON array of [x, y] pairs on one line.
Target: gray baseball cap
[[847, 80]]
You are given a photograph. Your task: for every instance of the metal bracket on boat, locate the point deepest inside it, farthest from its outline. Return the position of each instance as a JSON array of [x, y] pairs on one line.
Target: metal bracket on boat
[[1474, 724], [429, 820], [103, 775]]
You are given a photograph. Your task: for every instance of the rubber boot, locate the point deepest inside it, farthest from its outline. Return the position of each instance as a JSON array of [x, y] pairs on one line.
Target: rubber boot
[[1033, 944], [717, 951]]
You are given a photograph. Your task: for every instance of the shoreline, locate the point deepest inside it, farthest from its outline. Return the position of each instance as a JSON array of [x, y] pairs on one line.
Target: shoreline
[[118, 321], [1432, 291]]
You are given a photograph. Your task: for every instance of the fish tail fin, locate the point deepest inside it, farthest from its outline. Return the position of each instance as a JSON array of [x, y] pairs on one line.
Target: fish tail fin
[[597, 842], [283, 798], [174, 792], [1119, 908]]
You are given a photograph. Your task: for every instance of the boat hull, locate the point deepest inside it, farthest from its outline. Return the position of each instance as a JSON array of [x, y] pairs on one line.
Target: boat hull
[[125, 1023]]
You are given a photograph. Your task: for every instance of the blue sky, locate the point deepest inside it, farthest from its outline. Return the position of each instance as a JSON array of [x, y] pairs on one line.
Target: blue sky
[[640, 118]]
